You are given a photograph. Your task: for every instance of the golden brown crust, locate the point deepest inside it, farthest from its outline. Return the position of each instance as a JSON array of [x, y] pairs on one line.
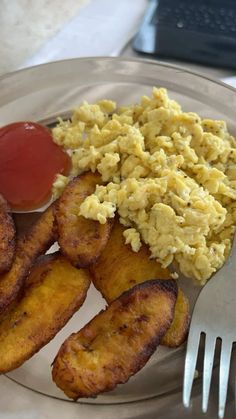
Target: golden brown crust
[[177, 333], [117, 342], [119, 268], [7, 236], [55, 290], [29, 246], [81, 240]]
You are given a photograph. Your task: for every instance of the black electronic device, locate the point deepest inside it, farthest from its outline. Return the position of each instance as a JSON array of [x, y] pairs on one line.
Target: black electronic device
[[202, 31]]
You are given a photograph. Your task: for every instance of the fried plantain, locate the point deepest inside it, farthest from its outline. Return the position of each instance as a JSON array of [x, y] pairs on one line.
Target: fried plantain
[[7, 236], [119, 268], [117, 342], [81, 240], [54, 291], [177, 333], [33, 243]]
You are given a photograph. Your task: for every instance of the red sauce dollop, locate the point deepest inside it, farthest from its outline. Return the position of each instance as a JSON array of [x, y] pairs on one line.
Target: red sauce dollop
[[29, 161]]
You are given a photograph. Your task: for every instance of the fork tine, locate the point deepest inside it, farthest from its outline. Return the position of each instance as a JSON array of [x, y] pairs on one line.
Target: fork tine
[[225, 357], [210, 342], [190, 363], [235, 394]]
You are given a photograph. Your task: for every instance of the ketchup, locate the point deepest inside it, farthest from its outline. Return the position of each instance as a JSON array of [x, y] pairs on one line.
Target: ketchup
[[29, 162]]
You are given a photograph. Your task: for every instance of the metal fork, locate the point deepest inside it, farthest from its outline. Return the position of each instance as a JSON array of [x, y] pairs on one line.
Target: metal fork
[[214, 315]]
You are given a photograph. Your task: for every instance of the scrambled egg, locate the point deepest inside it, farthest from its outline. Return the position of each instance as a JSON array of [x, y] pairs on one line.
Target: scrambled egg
[[170, 175]]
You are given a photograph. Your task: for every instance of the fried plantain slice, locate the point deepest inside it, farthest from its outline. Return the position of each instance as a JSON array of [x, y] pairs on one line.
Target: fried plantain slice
[[81, 240], [33, 243], [54, 291], [177, 333], [7, 236], [117, 342], [119, 268]]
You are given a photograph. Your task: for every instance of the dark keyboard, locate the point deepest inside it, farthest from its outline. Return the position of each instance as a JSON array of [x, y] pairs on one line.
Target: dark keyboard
[[196, 16], [202, 31]]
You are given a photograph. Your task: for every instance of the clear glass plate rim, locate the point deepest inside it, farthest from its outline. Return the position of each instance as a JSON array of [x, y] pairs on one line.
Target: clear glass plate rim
[[114, 60], [119, 60]]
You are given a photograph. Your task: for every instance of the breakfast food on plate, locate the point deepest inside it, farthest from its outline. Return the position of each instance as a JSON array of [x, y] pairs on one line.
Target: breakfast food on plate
[[116, 343], [143, 192], [170, 175], [7, 236], [81, 240], [25, 179], [119, 268], [32, 244], [53, 292]]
